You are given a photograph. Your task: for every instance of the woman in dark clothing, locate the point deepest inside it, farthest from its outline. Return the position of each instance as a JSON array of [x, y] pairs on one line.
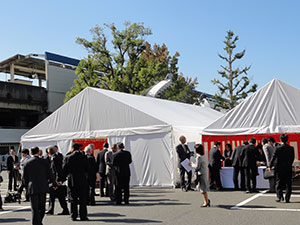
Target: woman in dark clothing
[[227, 155]]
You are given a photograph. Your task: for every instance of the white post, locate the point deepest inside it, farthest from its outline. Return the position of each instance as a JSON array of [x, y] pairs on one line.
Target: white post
[[12, 73]]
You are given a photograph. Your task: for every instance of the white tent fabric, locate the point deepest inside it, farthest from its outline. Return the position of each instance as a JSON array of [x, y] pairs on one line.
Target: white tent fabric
[[274, 108], [146, 126]]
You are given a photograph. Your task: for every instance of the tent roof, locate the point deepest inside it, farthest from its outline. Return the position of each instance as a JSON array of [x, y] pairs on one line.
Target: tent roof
[[274, 108], [98, 109]]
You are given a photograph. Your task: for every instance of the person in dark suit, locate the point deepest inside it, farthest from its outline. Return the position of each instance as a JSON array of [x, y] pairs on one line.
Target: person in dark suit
[[36, 175], [61, 156], [227, 155], [184, 153], [261, 155], [237, 167], [285, 155], [102, 169], [214, 166], [1, 203], [122, 160], [76, 168], [11, 165], [60, 193], [249, 157], [92, 173]]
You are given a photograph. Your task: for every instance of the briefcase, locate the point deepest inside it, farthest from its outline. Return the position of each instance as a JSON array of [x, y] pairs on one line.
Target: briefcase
[[61, 190], [268, 174]]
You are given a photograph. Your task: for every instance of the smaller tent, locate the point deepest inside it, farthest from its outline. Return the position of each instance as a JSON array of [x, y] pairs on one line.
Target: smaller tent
[[149, 128], [272, 110]]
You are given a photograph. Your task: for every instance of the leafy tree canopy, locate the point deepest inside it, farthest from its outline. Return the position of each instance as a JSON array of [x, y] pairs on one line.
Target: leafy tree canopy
[[131, 66]]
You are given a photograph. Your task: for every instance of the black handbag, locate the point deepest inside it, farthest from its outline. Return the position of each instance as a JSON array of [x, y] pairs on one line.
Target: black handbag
[[269, 173]]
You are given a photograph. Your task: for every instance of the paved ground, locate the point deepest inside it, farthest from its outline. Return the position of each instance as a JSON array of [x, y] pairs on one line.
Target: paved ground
[[173, 207]]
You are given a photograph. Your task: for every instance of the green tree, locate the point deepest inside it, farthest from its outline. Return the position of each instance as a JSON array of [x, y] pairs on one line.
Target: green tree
[[235, 87], [133, 66]]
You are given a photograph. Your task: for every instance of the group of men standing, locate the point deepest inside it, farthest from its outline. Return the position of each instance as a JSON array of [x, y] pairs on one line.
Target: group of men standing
[[114, 171], [245, 161], [279, 157], [79, 168]]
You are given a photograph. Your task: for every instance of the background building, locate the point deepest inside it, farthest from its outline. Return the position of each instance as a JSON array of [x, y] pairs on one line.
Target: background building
[[32, 87]]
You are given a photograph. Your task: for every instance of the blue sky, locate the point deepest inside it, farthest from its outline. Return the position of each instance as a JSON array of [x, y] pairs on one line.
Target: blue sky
[[268, 30]]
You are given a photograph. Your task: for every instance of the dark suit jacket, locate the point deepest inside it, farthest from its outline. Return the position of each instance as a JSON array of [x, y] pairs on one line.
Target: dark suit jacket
[[215, 158], [101, 161], [10, 162], [285, 155], [182, 155], [56, 168], [121, 161], [92, 170], [249, 156], [76, 169], [36, 175], [61, 156], [236, 156]]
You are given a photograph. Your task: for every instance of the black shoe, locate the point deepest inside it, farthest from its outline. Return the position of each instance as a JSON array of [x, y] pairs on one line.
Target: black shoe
[[49, 212], [118, 203], [84, 219], [74, 219], [65, 212], [255, 191], [248, 192], [279, 199], [126, 203], [207, 205], [287, 201], [190, 189], [184, 189]]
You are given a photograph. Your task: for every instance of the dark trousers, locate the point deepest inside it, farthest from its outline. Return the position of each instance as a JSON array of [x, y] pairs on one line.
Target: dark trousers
[[20, 190], [12, 176], [1, 203], [38, 202], [91, 195], [182, 178], [236, 171], [78, 197], [272, 183], [103, 184], [122, 184], [284, 181], [215, 177], [61, 198], [250, 176]]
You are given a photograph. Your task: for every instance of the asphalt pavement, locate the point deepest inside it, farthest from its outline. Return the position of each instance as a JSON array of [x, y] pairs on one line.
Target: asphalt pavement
[[149, 205]]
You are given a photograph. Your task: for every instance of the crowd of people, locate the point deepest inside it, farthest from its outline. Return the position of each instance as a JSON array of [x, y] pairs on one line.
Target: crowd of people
[[79, 169], [245, 160]]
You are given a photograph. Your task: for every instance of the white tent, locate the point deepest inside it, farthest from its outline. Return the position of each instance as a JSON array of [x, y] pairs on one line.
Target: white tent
[[275, 108], [272, 110], [148, 127]]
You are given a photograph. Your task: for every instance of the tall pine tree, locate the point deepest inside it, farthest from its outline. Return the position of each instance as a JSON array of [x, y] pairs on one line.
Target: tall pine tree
[[235, 84]]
